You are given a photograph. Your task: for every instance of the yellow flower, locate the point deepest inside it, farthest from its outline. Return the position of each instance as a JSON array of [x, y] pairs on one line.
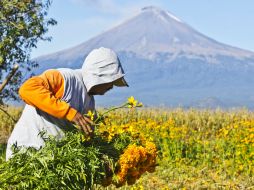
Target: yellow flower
[[90, 114], [133, 103]]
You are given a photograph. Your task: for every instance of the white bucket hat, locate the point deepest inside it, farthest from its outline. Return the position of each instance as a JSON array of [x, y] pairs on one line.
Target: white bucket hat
[[101, 66]]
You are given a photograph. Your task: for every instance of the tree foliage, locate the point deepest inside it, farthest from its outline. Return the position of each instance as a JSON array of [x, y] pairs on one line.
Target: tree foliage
[[22, 25]]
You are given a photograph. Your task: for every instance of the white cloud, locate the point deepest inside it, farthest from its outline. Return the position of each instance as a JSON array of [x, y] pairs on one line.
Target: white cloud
[[116, 7], [102, 5], [112, 12]]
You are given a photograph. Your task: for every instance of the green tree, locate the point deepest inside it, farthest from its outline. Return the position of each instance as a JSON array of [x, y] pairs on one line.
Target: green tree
[[22, 24]]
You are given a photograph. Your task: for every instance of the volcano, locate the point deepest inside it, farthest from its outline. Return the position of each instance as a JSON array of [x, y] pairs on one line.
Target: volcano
[[168, 63]]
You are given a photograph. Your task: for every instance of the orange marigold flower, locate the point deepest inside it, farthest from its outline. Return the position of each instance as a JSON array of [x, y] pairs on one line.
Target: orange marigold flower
[[136, 160]]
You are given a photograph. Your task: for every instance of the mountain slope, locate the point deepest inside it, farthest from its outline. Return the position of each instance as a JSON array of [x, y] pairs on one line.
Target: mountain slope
[[168, 63]]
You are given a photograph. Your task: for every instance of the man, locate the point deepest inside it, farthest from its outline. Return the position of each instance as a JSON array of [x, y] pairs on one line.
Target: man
[[58, 98]]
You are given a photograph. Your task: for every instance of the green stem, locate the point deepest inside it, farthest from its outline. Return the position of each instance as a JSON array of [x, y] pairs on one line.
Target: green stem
[[109, 110]]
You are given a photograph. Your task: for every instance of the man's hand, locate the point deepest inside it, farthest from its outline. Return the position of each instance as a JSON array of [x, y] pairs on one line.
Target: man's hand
[[84, 123]]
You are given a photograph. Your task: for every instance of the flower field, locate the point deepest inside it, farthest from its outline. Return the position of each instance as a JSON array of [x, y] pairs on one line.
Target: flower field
[[197, 149]]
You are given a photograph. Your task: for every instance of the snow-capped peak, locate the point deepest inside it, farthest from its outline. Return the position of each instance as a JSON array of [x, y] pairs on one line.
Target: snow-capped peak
[[161, 13], [173, 16]]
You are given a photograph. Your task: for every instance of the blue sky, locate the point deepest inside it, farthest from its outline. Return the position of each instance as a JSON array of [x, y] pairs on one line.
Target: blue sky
[[227, 21]]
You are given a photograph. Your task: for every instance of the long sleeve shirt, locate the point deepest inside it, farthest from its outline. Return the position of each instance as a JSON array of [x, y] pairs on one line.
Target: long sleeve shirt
[[45, 92]]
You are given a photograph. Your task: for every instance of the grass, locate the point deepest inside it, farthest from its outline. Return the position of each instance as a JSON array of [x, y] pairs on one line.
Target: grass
[[2, 152], [8, 117]]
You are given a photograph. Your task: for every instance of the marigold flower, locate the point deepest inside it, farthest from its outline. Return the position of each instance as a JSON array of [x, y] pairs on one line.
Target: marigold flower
[[135, 161]]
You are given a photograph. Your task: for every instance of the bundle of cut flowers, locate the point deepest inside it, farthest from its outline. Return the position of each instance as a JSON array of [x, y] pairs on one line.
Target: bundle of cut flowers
[[80, 162]]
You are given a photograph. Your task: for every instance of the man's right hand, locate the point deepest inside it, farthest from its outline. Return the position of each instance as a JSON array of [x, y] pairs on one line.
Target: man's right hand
[[84, 123]]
